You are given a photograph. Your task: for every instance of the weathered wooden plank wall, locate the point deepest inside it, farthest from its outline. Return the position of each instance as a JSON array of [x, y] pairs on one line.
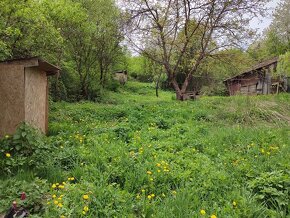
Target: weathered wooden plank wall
[[11, 98]]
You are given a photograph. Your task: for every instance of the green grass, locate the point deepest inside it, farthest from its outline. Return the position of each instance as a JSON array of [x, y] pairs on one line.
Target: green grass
[[192, 155]]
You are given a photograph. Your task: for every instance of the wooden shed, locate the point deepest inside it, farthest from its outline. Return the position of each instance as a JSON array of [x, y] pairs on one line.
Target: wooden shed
[[257, 80], [121, 76], [24, 93]]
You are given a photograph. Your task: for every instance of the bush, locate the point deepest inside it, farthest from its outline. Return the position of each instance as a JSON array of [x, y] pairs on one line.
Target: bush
[[35, 194], [25, 149], [214, 89], [272, 189], [113, 85]]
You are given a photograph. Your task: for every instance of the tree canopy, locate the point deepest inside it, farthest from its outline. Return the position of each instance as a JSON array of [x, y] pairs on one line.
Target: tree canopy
[[171, 31], [186, 44], [78, 35]]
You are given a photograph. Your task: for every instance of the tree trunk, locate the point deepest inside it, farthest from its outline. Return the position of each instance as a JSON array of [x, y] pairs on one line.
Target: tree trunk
[[101, 73], [84, 91], [178, 92], [181, 92], [156, 89], [186, 83], [157, 85]]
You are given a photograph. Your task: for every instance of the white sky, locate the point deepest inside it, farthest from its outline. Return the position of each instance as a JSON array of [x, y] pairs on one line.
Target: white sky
[[263, 22]]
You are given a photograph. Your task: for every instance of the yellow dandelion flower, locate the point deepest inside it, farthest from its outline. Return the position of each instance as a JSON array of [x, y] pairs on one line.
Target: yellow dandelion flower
[[158, 171], [149, 172], [235, 204], [84, 212], [151, 179], [213, 216], [7, 136], [61, 186], [174, 192], [143, 190], [86, 208], [202, 212], [158, 164], [149, 197], [8, 155], [55, 202], [152, 195], [72, 178], [62, 216], [53, 196], [59, 199], [138, 196], [57, 184], [85, 197], [60, 205], [262, 150], [53, 186]]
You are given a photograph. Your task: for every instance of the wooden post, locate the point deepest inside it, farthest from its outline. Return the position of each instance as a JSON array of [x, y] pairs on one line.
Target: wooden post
[[264, 87], [267, 81]]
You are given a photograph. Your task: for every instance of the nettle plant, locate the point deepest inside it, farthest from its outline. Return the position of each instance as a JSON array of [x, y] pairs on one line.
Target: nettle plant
[[25, 149], [272, 189]]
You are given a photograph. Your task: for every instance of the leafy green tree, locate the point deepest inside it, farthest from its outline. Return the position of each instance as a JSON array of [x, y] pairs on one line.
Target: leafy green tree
[[91, 40], [26, 31], [276, 39], [165, 31], [283, 67], [280, 28], [78, 35]]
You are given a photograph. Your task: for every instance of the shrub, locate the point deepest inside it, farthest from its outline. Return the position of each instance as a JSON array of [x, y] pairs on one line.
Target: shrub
[[25, 149], [272, 189], [35, 194]]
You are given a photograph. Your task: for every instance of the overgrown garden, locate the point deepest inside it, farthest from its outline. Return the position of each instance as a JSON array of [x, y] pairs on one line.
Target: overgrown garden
[[153, 157]]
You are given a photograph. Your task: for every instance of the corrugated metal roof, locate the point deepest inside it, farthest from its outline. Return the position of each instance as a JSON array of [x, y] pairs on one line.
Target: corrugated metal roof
[[256, 67]]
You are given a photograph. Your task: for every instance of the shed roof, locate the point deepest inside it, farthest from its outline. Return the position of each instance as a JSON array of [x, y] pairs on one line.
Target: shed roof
[[50, 69], [255, 68], [121, 71]]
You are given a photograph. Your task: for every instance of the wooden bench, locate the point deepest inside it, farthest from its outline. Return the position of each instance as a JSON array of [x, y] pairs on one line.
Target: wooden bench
[[189, 95]]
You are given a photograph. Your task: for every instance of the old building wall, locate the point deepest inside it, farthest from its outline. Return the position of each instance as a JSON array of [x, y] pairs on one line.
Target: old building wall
[[11, 97], [234, 88], [249, 85], [36, 98], [121, 77]]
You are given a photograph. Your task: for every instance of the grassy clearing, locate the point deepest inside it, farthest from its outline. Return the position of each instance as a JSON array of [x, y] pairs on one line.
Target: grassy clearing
[[135, 155]]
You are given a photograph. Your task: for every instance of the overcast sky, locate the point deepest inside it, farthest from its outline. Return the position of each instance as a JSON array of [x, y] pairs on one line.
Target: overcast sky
[[263, 22]]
